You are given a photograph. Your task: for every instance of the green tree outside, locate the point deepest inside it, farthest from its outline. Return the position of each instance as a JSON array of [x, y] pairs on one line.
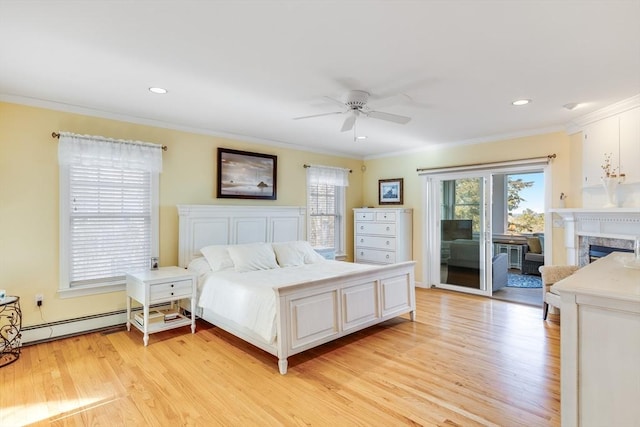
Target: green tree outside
[[467, 205]]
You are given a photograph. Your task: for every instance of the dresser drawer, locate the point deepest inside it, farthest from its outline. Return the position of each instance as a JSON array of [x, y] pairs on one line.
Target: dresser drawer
[[161, 291], [376, 242], [376, 228], [386, 216], [364, 216], [377, 256]]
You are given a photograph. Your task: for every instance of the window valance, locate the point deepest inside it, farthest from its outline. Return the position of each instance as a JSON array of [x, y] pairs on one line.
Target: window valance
[[327, 175], [89, 150]]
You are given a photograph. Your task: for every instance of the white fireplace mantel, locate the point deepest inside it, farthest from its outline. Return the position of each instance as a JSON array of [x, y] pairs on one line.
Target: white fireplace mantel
[[608, 223]]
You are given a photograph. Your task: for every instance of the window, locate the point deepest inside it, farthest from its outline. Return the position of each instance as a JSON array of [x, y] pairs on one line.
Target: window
[[461, 200], [326, 207], [525, 202], [109, 216]]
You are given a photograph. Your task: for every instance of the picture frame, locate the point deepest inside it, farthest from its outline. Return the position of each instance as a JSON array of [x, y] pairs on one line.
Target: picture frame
[[390, 191], [246, 175]]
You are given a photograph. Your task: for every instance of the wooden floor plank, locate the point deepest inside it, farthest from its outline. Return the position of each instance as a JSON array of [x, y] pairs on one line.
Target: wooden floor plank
[[466, 361]]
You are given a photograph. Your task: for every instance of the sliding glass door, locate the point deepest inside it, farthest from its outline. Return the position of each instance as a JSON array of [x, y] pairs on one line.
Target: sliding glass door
[[460, 229], [470, 207]]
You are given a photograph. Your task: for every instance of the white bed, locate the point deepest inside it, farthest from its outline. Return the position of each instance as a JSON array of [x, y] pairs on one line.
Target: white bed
[[312, 302]]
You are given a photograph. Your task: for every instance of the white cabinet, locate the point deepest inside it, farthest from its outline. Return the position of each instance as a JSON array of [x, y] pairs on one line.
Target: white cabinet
[[599, 138], [600, 344], [383, 235], [513, 251], [618, 135], [630, 144]]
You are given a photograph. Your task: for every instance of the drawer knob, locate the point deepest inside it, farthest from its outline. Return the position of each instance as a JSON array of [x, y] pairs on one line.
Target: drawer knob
[[388, 228], [171, 293], [362, 227], [387, 256], [387, 243], [361, 240], [361, 253], [172, 285]]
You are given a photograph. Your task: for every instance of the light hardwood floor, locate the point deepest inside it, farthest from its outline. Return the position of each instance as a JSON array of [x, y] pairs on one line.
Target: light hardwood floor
[[466, 361]]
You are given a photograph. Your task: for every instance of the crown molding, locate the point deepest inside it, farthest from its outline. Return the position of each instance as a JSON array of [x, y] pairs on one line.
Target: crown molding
[[579, 123]]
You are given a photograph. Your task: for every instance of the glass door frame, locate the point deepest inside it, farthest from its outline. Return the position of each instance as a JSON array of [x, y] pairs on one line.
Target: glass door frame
[[433, 237], [431, 209]]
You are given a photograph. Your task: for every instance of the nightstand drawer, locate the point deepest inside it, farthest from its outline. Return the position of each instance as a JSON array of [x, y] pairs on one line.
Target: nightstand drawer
[[182, 288]]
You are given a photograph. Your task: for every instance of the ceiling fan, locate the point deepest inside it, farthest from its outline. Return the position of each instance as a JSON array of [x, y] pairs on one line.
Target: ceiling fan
[[355, 104]]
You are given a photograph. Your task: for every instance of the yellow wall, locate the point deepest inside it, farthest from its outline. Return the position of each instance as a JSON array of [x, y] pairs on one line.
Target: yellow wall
[[29, 217], [405, 166], [29, 192]]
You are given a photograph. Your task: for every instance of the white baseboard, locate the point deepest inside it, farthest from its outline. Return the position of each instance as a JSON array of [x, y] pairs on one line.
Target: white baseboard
[[53, 330]]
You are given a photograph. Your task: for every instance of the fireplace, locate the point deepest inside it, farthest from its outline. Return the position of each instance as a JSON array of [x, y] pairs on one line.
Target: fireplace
[[596, 251], [610, 228]]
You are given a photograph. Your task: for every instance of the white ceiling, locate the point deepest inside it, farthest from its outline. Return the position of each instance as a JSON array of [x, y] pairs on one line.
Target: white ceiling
[[245, 68]]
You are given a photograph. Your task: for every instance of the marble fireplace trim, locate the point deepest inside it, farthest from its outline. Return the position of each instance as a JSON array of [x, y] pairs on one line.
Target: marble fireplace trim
[[617, 227]]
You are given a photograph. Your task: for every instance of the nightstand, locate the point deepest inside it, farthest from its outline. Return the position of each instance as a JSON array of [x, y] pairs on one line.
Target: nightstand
[[165, 285]]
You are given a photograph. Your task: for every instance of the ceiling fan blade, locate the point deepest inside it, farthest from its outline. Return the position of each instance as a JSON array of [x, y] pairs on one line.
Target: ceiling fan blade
[[388, 101], [319, 115], [335, 101], [349, 122], [389, 117]]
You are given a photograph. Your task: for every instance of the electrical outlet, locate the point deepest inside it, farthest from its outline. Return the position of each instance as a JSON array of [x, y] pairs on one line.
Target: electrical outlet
[[39, 299]]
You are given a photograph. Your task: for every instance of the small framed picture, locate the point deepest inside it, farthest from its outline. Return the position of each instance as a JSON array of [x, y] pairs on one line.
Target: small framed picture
[[390, 191]]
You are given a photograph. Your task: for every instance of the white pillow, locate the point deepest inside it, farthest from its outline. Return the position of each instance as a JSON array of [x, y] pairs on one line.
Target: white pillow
[[200, 266], [253, 256], [291, 254], [310, 255], [288, 254], [218, 257]]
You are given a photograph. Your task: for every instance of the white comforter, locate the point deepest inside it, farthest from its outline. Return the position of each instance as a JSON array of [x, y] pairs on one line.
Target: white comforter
[[249, 299]]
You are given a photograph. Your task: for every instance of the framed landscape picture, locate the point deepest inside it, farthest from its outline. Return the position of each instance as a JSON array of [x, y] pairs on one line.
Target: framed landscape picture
[[390, 191], [245, 175]]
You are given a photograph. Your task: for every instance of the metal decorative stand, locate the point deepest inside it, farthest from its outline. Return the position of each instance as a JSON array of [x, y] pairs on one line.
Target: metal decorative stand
[[10, 327]]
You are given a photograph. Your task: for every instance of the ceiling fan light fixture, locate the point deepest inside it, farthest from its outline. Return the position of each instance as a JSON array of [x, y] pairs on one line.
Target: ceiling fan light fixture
[[158, 90], [355, 106], [519, 102]]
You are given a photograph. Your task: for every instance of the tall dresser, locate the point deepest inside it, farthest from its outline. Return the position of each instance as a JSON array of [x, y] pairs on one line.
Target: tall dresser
[[383, 235]]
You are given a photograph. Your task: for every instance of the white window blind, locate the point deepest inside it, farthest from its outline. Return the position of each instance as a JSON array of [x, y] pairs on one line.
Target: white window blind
[[326, 206], [109, 223], [109, 209], [323, 215]]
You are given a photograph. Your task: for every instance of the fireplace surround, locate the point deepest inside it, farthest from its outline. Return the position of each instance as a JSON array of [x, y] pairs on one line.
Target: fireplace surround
[[583, 227]]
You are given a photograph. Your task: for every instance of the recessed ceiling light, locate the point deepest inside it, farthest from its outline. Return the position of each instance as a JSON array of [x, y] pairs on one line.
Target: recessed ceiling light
[[571, 106], [521, 102], [157, 90], [361, 137]]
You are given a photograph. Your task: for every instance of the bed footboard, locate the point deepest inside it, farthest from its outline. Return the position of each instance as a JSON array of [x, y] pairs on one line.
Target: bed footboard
[[314, 313]]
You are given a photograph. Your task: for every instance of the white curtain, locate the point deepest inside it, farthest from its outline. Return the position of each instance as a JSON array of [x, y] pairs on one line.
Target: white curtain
[[327, 175], [89, 150]]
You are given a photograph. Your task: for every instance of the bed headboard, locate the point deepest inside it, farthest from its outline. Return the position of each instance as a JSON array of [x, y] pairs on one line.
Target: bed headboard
[[204, 225]]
